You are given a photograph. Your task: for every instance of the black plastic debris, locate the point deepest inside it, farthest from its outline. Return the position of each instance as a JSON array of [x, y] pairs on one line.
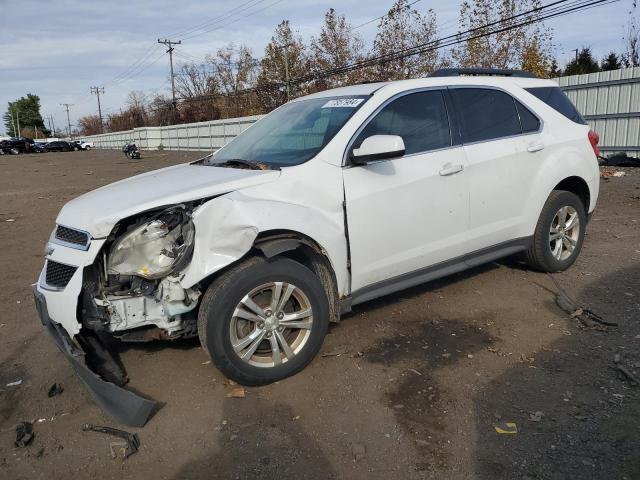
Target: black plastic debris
[[584, 315], [132, 440], [24, 434], [55, 389]]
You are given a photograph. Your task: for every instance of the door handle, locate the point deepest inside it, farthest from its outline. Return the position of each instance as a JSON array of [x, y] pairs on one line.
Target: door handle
[[449, 169], [535, 147]]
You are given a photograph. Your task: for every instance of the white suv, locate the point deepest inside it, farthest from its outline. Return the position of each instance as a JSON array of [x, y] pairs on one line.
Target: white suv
[[331, 200]]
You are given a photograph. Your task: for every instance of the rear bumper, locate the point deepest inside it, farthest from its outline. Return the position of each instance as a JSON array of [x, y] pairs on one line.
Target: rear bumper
[[123, 405]]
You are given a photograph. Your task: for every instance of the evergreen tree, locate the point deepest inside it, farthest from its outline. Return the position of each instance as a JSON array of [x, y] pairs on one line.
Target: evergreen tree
[[584, 64], [26, 110]]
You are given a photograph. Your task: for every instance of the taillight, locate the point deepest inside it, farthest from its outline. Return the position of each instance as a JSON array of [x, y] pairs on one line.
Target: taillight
[[594, 138]]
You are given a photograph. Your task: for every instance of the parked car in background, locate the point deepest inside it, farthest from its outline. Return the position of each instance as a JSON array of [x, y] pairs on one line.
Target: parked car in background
[[331, 200], [38, 147], [16, 145], [76, 145], [86, 145], [58, 146]]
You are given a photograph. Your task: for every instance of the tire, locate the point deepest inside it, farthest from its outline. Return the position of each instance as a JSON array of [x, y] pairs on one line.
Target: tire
[[219, 326], [87, 147], [14, 151], [550, 250]]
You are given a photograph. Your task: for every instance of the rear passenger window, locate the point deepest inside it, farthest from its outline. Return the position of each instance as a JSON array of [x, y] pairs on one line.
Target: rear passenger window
[[419, 118], [528, 120], [556, 99], [485, 114]]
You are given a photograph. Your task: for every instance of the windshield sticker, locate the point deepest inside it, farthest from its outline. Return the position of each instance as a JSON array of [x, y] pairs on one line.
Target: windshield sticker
[[343, 103]]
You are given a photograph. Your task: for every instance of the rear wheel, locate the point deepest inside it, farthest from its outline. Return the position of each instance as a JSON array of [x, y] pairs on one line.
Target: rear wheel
[[14, 151], [559, 233], [263, 321]]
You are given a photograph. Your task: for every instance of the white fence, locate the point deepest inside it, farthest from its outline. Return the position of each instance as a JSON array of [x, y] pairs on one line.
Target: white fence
[[208, 136], [609, 101]]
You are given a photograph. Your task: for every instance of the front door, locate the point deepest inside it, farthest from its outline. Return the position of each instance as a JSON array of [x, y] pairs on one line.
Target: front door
[[408, 213]]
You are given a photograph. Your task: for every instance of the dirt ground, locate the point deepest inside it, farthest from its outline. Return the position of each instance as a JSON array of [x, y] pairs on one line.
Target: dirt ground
[[408, 386]]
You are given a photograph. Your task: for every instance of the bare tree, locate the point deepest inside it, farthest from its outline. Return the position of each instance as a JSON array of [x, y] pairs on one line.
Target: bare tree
[[89, 125], [631, 57], [235, 71], [404, 27], [285, 59], [530, 44], [193, 80], [336, 47]]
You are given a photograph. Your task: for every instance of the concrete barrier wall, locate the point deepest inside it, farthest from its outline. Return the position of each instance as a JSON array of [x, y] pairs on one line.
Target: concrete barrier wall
[[609, 101], [205, 136]]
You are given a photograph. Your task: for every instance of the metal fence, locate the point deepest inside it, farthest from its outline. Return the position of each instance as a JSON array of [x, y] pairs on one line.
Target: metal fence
[[609, 101]]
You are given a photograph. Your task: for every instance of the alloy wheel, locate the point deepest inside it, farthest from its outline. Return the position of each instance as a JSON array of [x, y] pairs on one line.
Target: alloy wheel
[[564, 233], [271, 324]]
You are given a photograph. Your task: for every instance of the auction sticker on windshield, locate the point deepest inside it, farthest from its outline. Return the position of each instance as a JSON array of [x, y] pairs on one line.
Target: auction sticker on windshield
[[343, 102]]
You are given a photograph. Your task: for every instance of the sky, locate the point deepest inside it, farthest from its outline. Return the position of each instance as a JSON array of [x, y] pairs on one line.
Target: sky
[[58, 49]]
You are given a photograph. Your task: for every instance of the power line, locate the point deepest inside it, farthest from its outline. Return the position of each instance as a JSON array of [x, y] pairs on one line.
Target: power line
[[552, 10]]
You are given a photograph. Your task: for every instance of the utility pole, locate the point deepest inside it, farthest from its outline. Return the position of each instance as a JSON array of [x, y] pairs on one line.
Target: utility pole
[[169, 44], [13, 124], [98, 91], [67, 105], [53, 126], [576, 50], [18, 122]]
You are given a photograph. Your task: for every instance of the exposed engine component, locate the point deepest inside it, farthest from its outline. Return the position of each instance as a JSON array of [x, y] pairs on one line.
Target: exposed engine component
[[164, 309]]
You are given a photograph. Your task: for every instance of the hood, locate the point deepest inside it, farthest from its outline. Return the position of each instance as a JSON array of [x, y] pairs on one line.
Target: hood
[[99, 210]]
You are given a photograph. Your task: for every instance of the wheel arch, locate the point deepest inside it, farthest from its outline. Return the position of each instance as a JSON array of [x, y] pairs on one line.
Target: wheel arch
[[305, 250], [579, 187]]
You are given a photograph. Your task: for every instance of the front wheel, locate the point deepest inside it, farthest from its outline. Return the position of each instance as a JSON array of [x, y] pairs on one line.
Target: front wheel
[[559, 233], [263, 321]]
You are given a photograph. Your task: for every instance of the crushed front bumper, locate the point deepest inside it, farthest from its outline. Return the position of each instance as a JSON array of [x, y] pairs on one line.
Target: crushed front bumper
[[121, 404]]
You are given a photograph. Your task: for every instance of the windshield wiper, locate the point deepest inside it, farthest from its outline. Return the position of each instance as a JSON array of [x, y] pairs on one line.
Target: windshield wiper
[[241, 163]]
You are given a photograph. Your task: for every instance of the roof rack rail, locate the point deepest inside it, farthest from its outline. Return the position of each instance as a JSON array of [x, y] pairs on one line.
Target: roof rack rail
[[458, 72]]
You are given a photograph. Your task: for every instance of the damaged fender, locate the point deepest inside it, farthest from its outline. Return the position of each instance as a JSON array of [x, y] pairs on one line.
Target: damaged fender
[[227, 227]]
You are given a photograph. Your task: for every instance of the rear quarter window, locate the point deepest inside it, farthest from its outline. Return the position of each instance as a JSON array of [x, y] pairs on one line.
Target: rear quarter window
[[556, 99], [485, 114]]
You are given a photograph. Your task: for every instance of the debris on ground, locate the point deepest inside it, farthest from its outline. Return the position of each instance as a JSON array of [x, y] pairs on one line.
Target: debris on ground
[[335, 353], [55, 389], [536, 416], [24, 434], [584, 315], [633, 380], [131, 439], [10, 220], [238, 392], [358, 451], [506, 428], [15, 384], [608, 173]]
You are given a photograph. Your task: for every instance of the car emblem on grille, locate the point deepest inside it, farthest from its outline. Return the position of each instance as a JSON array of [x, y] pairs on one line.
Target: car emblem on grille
[[49, 249]]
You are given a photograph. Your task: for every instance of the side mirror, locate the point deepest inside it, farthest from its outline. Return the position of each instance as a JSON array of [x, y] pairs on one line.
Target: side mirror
[[378, 147]]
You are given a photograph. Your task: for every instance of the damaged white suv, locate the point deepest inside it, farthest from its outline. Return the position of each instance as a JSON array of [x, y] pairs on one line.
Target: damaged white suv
[[329, 201]]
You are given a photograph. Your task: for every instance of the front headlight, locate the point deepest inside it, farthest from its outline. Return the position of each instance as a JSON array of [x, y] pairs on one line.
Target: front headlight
[[155, 248]]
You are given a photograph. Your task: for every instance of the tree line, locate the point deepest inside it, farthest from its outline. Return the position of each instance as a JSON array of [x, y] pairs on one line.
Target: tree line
[[233, 81]]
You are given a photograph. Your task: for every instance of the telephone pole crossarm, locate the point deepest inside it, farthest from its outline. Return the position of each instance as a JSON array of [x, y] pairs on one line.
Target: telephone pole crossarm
[[170, 49]]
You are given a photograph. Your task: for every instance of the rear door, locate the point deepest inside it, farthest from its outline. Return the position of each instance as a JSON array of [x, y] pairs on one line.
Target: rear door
[[504, 149], [411, 212]]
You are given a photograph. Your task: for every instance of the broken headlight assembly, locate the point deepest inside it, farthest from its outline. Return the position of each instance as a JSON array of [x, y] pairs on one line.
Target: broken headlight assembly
[[154, 249]]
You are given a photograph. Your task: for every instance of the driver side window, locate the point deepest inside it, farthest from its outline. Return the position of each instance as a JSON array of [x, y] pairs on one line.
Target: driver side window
[[419, 118]]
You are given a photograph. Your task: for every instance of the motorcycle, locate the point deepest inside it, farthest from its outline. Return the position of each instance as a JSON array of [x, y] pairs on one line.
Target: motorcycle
[[131, 151]]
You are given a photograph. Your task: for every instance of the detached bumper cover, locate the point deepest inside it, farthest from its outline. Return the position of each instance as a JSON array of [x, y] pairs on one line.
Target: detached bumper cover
[[124, 406]]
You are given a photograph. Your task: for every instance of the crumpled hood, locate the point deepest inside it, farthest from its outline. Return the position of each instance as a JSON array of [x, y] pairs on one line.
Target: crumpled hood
[[99, 210]]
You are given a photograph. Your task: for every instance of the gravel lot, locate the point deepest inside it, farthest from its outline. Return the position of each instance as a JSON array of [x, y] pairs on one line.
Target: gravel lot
[[408, 386]]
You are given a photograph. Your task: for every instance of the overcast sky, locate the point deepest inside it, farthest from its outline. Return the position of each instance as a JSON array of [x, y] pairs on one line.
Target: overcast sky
[[57, 49]]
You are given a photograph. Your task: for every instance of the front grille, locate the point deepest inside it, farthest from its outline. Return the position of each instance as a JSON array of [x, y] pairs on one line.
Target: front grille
[[58, 274], [70, 235]]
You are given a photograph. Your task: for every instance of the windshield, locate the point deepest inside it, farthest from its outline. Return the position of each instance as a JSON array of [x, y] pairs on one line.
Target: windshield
[[292, 134]]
